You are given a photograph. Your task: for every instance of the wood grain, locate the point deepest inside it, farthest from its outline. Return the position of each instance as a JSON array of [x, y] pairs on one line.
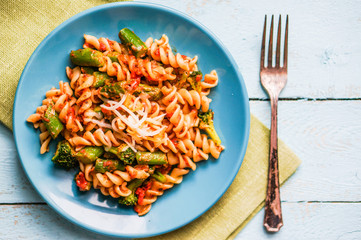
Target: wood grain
[[324, 50], [39, 222], [325, 135], [302, 221], [15, 185], [322, 199], [310, 221]]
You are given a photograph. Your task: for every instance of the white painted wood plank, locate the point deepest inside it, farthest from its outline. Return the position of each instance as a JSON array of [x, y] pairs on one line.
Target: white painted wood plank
[[15, 186], [310, 221], [324, 42], [325, 135], [39, 222], [302, 221]]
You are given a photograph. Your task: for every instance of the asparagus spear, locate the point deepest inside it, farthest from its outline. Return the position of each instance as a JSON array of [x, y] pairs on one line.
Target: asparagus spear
[[87, 57], [124, 153], [154, 92], [151, 158], [87, 70], [113, 56], [52, 122], [106, 165], [159, 177], [133, 42], [89, 154], [100, 78], [112, 90]]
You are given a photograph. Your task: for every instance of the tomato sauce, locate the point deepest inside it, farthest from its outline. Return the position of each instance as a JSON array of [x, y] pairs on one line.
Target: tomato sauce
[[140, 192], [81, 182], [156, 52], [102, 46]]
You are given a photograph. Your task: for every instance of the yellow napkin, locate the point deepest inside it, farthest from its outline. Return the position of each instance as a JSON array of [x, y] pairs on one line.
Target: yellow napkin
[[246, 195], [24, 24]]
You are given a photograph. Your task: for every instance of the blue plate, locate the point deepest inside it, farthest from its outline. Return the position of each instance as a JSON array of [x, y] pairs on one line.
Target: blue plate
[[200, 189]]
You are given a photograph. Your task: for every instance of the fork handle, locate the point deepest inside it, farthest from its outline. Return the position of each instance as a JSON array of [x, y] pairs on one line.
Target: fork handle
[[273, 213]]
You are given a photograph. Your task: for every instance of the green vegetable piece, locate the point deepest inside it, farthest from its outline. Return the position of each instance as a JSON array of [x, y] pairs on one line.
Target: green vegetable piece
[[195, 73], [192, 79], [52, 122], [132, 199], [206, 124], [151, 158], [97, 109], [107, 165], [154, 92], [113, 56], [133, 42], [124, 153], [159, 177], [89, 154], [100, 78], [87, 70], [112, 90], [182, 81], [64, 156], [87, 57]]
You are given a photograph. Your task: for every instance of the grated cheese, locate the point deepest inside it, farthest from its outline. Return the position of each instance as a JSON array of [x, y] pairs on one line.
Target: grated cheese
[[132, 120], [101, 124]]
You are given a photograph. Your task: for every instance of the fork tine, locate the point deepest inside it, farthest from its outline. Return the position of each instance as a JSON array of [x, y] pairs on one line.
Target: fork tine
[[263, 42], [270, 46], [286, 46], [278, 50]]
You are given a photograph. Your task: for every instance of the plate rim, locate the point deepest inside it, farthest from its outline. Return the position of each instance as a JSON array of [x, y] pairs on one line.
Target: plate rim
[[201, 27]]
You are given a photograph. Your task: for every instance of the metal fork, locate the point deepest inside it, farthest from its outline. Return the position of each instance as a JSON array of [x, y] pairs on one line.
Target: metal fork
[[273, 79]]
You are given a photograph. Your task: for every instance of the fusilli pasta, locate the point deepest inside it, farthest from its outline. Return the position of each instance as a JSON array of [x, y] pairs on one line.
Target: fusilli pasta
[[135, 117]]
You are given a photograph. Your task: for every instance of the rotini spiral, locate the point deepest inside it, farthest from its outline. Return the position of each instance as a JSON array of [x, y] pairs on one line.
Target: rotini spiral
[[154, 105], [103, 44], [161, 51]]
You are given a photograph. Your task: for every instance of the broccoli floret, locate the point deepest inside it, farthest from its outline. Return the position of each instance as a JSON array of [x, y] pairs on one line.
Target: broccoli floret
[[195, 73], [132, 199], [182, 81], [195, 79], [64, 156], [124, 153], [206, 124]]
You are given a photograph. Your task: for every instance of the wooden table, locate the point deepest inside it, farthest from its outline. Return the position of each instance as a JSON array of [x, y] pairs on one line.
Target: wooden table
[[319, 118]]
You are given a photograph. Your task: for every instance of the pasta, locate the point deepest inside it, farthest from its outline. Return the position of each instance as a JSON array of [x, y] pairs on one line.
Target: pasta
[[135, 117]]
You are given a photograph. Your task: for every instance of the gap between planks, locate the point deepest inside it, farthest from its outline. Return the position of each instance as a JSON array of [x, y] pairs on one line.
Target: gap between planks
[[308, 202], [307, 99]]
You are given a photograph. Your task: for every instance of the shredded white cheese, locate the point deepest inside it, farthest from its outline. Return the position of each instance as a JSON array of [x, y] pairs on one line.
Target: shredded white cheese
[[133, 121], [101, 124]]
